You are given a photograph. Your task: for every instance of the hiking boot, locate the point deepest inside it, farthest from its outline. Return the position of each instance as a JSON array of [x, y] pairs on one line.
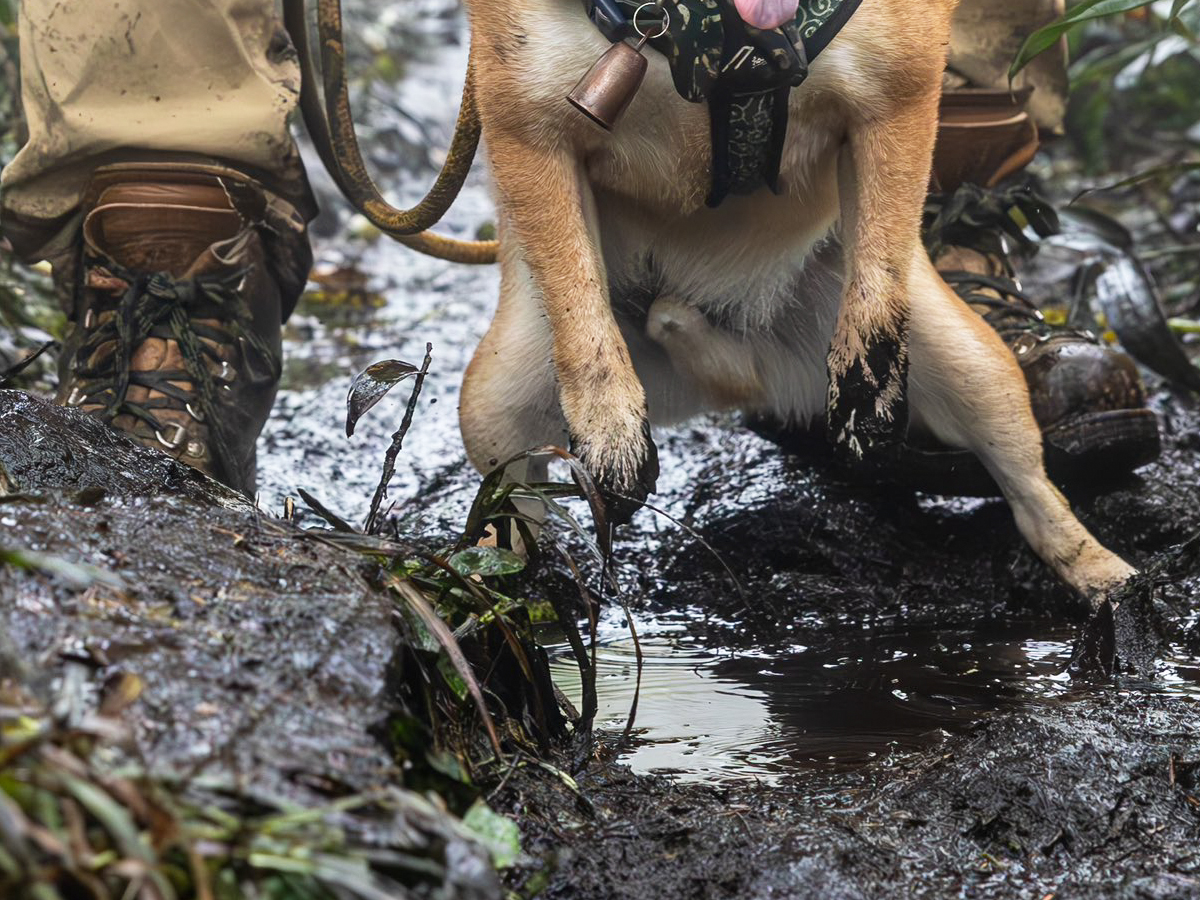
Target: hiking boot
[[186, 275], [1087, 397]]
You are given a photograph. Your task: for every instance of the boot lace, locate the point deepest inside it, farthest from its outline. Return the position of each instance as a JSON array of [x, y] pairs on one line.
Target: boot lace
[[158, 305], [992, 222]]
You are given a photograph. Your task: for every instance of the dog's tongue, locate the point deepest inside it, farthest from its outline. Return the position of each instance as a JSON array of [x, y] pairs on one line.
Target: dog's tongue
[[766, 13]]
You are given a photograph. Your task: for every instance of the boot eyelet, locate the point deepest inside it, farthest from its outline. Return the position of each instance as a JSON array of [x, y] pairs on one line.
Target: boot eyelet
[[177, 439], [195, 450], [77, 397], [89, 319], [228, 373], [192, 412]]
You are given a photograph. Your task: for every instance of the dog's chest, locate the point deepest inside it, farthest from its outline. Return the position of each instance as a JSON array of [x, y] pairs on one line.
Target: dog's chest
[[659, 156]]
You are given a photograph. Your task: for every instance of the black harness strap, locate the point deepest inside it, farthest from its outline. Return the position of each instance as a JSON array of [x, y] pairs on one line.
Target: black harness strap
[[745, 74]]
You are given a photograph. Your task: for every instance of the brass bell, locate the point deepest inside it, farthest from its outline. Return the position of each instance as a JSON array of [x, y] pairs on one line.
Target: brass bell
[[606, 91], [608, 88]]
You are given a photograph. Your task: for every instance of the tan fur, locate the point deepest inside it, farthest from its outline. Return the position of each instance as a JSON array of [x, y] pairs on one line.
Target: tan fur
[[755, 309]]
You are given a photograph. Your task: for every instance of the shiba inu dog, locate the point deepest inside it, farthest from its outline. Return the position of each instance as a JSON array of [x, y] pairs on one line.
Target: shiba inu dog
[[627, 298]]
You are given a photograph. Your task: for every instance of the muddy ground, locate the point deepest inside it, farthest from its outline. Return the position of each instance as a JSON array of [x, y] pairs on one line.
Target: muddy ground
[[1077, 792], [988, 773], [885, 710]]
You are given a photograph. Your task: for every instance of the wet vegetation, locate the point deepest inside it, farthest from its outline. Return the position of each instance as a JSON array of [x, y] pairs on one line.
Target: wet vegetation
[[778, 682]]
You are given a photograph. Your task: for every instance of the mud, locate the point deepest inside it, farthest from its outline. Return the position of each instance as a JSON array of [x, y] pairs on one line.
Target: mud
[[266, 656], [910, 730], [857, 692], [1077, 802], [871, 702]]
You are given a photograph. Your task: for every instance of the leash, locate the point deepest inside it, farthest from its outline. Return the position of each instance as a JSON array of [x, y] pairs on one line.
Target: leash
[[331, 128], [745, 74]]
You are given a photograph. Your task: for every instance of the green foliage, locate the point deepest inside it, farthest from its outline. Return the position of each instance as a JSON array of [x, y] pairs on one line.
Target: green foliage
[[9, 101], [1091, 10], [499, 834], [1136, 64], [78, 821]]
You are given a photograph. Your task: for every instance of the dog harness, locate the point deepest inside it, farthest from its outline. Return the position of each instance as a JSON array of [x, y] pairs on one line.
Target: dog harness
[[744, 73]]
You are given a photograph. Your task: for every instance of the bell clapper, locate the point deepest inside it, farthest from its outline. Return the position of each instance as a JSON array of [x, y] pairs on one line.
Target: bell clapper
[[604, 93]]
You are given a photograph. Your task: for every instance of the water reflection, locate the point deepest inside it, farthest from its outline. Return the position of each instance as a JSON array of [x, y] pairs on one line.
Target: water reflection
[[705, 715]]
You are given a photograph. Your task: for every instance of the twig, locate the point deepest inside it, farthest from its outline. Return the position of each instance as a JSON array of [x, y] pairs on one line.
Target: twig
[[14, 370], [389, 461]]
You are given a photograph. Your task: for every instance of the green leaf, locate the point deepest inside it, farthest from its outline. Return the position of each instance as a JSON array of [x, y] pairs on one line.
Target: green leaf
[[415, 601], [486, 561], [455, 681], [1045, 38], [499, 834]]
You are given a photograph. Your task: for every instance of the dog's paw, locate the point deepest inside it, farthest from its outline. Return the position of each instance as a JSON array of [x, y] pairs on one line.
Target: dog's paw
[[624, 467], [1123, 635], [867, 405]]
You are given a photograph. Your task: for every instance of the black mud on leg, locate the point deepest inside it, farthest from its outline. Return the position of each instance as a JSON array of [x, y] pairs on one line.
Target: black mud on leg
[[867, 409]]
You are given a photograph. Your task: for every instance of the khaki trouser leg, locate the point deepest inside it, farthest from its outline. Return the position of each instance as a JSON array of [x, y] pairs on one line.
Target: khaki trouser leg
[[196, 80], [987, 35]]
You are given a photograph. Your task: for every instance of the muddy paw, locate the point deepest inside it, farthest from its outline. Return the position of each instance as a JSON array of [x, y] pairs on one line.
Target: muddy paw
[[1122, 636], [625, 472], [867, 409]]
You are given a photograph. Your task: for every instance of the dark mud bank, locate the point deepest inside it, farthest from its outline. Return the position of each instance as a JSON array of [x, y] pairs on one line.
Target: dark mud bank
[[264, 660], [1093, 799], [1091, 792], [1084, 790]]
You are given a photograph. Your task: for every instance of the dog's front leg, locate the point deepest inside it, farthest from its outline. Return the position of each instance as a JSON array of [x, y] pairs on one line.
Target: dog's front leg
[[883, 174], [549, 206]]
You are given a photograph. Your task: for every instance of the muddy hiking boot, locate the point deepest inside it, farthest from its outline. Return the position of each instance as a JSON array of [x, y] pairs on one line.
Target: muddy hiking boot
[[185, 277], [1086, 396]]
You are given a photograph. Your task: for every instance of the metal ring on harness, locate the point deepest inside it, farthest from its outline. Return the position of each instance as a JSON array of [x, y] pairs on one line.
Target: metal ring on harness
[[666, 20]]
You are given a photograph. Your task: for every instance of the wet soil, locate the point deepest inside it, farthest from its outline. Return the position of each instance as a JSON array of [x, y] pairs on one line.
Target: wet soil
[[265, 657], [873, 701], [1079, 801], [857, 691]]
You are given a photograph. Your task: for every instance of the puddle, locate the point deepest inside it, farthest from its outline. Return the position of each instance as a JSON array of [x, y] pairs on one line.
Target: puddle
[[874, 696]]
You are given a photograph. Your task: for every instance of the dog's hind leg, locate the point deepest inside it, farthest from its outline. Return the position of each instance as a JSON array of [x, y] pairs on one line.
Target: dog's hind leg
[[967, 389]]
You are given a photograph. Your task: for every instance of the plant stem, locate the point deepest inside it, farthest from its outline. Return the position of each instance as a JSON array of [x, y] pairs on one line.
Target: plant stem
[[374, 520]]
